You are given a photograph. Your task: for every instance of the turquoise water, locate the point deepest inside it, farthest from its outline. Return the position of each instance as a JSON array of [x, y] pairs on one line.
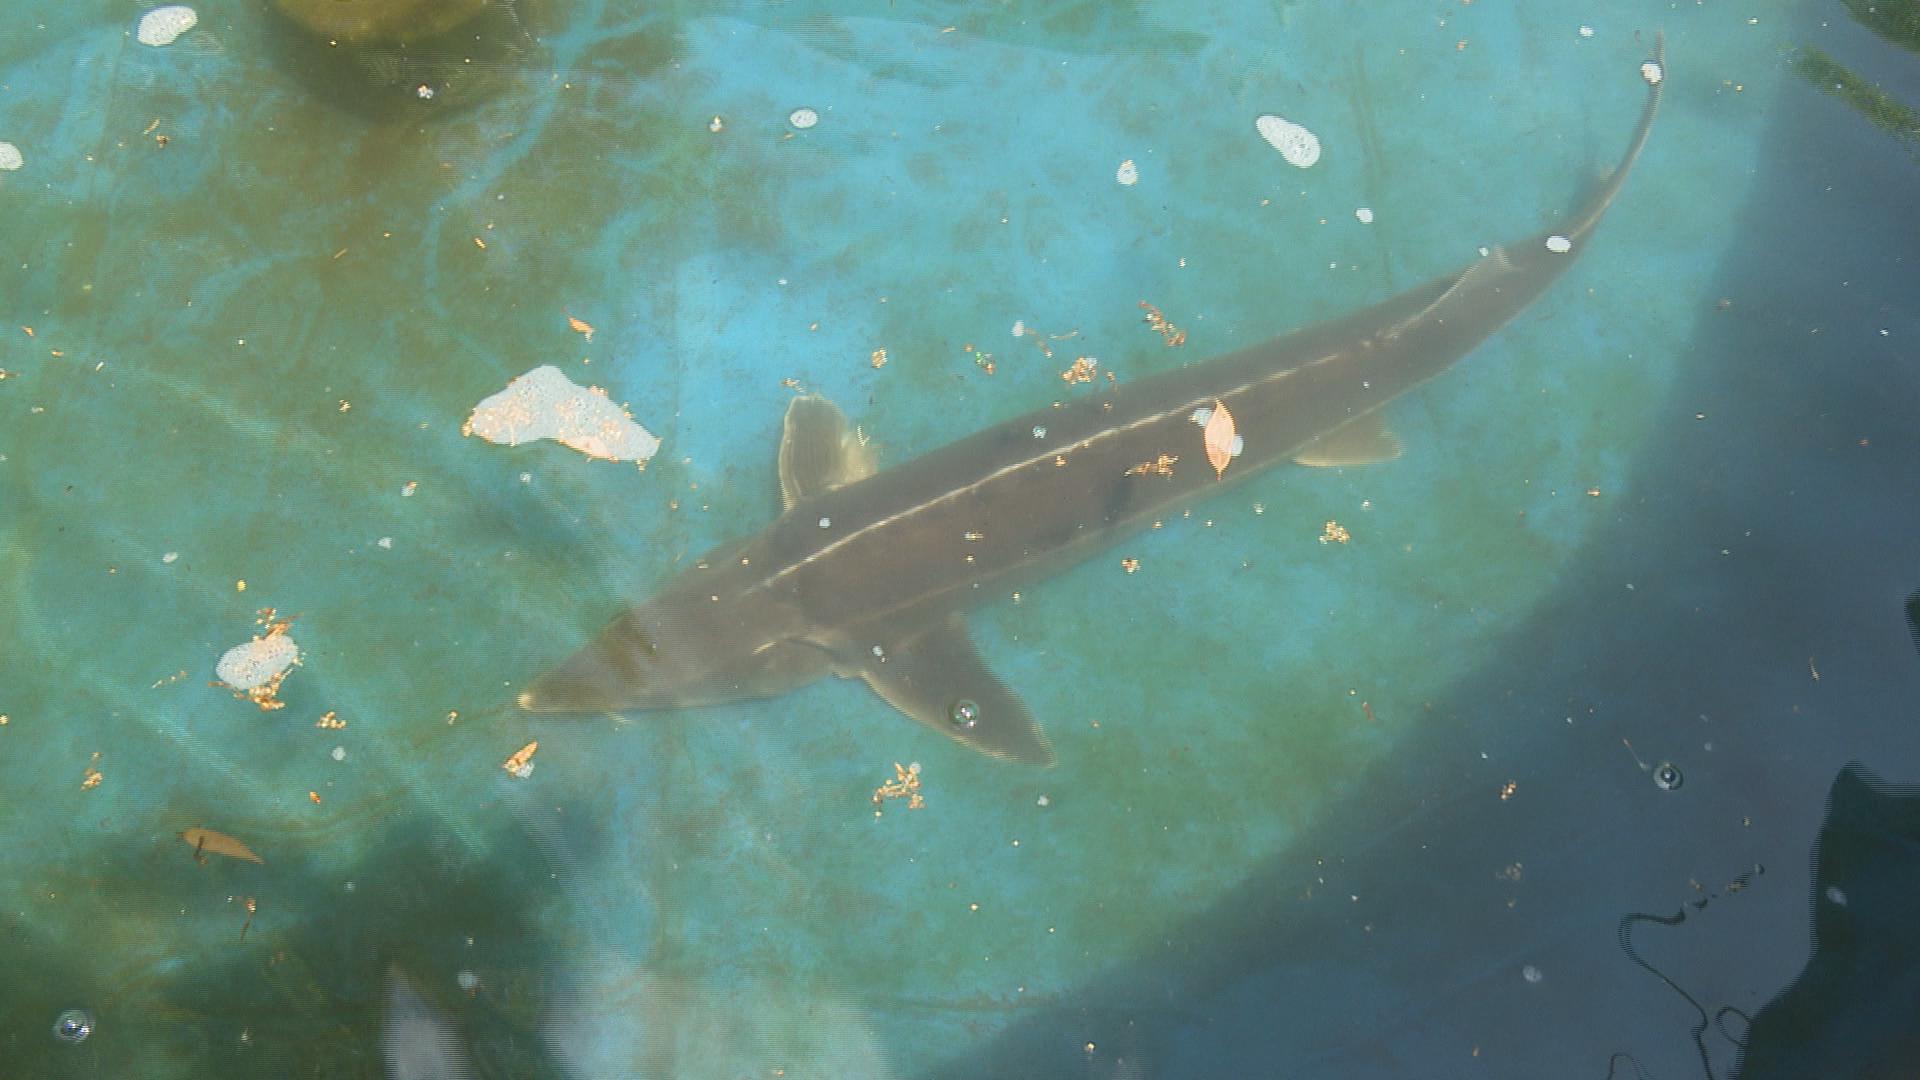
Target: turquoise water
[[255, 283]]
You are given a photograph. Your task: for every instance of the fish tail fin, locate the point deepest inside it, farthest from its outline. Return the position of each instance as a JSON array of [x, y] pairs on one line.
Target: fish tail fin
[[1654, 71]]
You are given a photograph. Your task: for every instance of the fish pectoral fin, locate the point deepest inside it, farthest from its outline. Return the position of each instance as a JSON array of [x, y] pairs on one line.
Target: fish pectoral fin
[[1362, 441], [817, 452], [936, 676]]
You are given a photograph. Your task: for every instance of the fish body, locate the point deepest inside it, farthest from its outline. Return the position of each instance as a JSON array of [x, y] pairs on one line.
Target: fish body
[[866, 574]]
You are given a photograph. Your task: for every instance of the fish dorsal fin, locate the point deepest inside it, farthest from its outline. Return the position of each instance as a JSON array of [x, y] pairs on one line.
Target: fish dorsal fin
[[932, 673], [817, 452], [1362, 441]]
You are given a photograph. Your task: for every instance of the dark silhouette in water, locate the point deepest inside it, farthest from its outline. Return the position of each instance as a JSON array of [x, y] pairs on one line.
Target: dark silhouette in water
[[1913, 619], [402, 61], [1854, 1011]]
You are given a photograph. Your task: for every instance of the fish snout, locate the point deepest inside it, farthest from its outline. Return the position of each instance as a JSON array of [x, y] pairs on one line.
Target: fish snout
[[617, 671]]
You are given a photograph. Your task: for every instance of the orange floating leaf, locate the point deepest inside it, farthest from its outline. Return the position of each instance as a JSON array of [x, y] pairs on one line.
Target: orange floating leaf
[[521, 763], [205, 840], [1221, 439], [581, 327]]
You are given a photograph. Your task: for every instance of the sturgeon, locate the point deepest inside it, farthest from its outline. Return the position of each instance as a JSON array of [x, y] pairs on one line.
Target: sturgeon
[[867, 573]]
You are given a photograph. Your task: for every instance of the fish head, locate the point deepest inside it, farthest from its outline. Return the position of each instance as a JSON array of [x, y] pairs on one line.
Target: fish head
[[704, 641]]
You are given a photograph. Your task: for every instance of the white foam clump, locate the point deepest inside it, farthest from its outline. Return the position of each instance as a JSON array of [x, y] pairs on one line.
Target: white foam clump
[[1298, 145], [1128, 174], [1558, 244], [10, 157], [164, 24], [545, 404], [258, 662]]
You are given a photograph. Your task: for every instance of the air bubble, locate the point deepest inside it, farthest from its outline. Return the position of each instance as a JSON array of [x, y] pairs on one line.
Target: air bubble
[[1666, 776], [73, 1026], [963, 713]]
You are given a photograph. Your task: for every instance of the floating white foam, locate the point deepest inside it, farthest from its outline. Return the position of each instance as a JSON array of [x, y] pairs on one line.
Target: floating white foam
[[1364, 214], [1652, 72], [1298, 145], [1128, 174], [258, 662], [163, 24], [1558, 244], [10, 158], [545, 404], [803, 118]]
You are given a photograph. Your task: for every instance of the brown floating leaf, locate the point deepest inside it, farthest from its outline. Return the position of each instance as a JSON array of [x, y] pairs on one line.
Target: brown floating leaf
[[205, 840], [1219, 438]]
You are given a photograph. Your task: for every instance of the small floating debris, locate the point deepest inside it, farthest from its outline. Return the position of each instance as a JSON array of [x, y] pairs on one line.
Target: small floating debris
[[1586, 31], [1160, 466], [1363, 214], [203, 841], [1652, 72], [1128, 174], [1558, 244], [1335, 533], [163, 25], [10, 157], [1171, 334], [256, 669], [803, 118], [521, 763], [1299, 146], [904, 785], [545, 404]]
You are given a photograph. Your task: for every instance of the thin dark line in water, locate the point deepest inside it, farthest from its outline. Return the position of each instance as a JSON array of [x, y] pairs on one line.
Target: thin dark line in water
[[1717, 1020]]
